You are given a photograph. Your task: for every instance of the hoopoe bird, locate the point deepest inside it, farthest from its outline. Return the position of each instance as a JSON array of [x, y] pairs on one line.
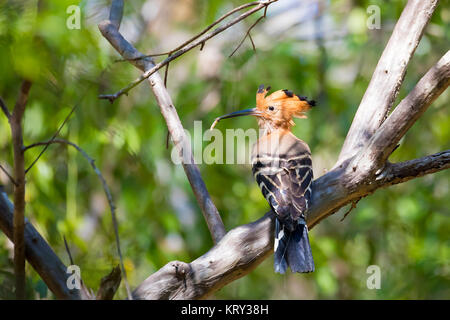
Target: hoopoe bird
[[282, 167]]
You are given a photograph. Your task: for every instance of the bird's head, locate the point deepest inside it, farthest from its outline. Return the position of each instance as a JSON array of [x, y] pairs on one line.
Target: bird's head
[[275, 111]]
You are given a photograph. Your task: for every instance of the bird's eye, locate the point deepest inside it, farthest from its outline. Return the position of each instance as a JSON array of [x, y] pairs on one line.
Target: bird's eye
[[271, 108]]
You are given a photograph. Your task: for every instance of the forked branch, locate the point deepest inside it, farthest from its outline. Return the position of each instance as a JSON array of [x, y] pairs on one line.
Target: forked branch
[[187, 46], [388, 75]]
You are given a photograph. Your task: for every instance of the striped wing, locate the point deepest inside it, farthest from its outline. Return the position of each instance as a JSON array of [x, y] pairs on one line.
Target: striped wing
[[286, 185]]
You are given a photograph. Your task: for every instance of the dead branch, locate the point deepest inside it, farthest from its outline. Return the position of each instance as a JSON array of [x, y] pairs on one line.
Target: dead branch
[[388, 75], [177, 54], [239, 252], [409, 110], [181, 46]]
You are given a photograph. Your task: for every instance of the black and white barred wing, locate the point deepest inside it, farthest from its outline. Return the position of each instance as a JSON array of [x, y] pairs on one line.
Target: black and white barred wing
[[297, 249], [299, 179], [286, 185], [270, 177]]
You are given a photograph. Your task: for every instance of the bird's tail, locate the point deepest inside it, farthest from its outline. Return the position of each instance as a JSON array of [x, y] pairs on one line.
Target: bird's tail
[[292, 249]]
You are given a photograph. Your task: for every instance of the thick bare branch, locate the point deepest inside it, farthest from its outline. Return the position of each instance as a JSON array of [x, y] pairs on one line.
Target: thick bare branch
[[174, 126], [403, 171], [19, 188], [432, 84], [109, 285], [238, 253], [388, 75], [116, 12], [38, 253]]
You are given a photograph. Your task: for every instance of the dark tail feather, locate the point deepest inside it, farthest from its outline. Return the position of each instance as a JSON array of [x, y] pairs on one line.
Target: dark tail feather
[[299, 255], [292, 249], [280, 246]]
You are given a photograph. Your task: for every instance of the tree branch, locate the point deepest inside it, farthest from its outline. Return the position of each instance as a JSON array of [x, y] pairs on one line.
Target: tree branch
[[19, 189], [409, 110], [247, 34], [109, 285], [8, 175], [38, 253], [128, 52], [237, 9], [171, 57], [4, 108], [239, 252], [403, 171], [52, 138], [388, 75]]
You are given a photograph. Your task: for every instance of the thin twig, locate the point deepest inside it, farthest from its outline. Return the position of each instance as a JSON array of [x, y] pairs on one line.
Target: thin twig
[[251, 40], [167, 139], [247, 34], [53, 137], [181, 46], [8, 175], [166, 73], [68, 250], [4, 108], [107, 192], [145, 56], [353, 206], [188, 47]]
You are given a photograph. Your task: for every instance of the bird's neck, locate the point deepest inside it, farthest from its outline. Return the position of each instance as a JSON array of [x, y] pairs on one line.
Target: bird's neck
[[269, 127]]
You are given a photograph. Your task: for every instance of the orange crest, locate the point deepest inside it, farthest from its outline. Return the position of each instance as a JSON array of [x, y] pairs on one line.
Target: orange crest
[[275, 111], [282, 105]]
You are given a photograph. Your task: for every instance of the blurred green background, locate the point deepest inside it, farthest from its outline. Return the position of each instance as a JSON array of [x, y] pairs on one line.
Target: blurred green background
[[321, 49]]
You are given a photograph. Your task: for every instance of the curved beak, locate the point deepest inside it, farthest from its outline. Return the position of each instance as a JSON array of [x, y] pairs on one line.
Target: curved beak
[[245, 112]]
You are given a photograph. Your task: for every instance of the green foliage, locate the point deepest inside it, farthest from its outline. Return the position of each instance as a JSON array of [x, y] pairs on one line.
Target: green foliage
[[402, 229]]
